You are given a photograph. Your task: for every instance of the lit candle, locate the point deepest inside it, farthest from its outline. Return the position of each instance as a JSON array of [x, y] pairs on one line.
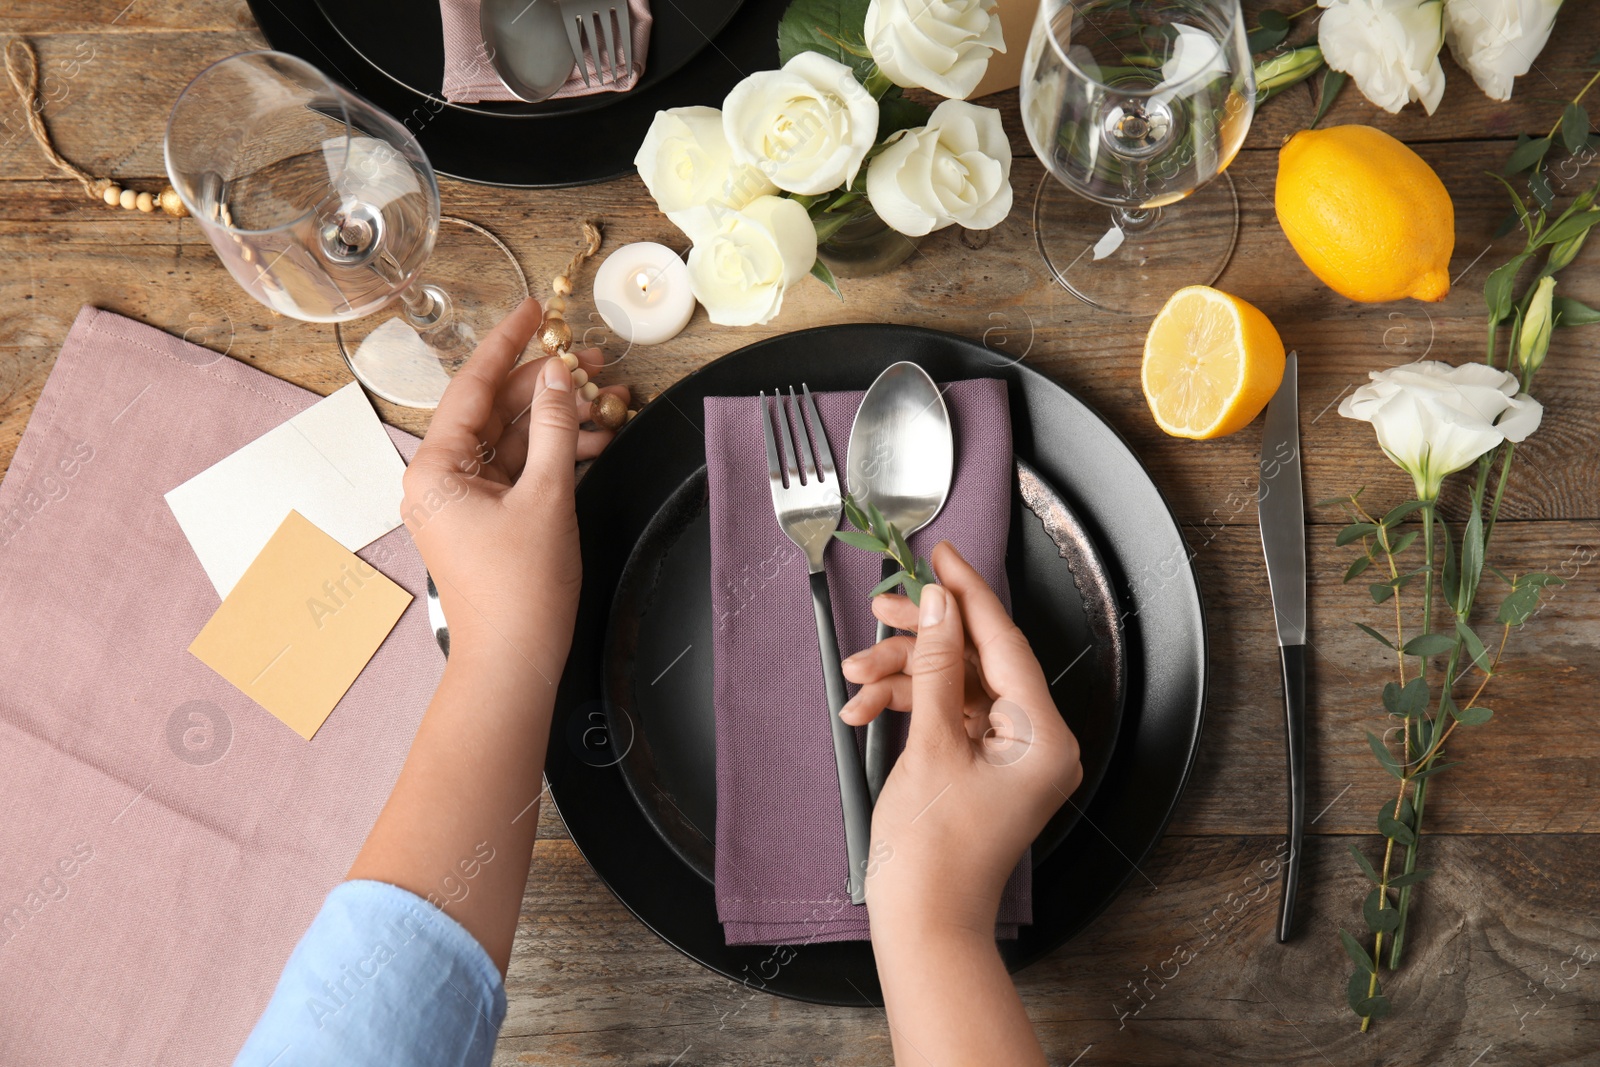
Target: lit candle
[[642, 292]]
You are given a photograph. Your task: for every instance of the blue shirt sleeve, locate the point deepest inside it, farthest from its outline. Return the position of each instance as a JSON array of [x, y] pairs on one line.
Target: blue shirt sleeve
[[381, 977]]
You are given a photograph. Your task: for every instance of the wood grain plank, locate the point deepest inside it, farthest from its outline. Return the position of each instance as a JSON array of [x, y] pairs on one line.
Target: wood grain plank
[[1182, 969]]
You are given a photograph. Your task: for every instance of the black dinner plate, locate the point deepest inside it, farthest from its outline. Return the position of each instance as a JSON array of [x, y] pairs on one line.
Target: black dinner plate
[[569, 148], [658, 661], [405, 40], [1120, 510]]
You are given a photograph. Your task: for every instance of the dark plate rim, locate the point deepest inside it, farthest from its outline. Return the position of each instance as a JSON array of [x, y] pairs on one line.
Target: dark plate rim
[[1016, 959]]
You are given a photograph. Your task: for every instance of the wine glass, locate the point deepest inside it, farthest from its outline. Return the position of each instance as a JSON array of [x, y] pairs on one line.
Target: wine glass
[[326, 209], [1134, 105]]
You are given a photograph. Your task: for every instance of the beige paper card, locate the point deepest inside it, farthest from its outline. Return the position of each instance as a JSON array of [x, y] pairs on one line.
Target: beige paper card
[[300, 624]]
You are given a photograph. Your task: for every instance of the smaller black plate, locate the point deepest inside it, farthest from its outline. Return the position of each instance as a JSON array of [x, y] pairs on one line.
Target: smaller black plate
[[663, 613], [405, 40]]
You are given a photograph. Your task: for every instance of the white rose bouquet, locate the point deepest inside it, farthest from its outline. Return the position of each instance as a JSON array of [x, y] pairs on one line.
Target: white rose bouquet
[[796, 154]]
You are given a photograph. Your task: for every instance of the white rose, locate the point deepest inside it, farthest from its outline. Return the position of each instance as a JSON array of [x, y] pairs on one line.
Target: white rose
[[1498, 40], [688, 167], [957, 168], [740, 269], [807, 126], [1433, 419], [942, 45], [1390, 48]]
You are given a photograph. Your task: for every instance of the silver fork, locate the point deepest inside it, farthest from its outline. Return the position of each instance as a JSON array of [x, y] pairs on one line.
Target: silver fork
[[589, 25], [807, 501]]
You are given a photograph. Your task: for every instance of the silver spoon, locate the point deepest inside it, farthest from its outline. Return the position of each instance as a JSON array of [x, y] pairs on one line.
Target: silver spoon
[[902, 459], [527, 46]]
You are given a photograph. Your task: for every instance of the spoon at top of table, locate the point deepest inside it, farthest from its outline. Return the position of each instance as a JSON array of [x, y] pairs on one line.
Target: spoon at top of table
[[527, 45], [902, 459]]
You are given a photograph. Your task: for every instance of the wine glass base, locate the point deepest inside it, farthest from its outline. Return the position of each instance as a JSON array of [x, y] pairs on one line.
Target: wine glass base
[[410, 365], [1188, 244]]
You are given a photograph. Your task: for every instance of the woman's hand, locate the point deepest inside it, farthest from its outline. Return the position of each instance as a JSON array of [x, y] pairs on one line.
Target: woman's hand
[[987, 761], [489, 498]]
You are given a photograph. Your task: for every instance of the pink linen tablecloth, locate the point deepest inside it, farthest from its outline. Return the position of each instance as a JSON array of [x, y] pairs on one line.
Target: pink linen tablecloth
[[470, 78], [163, 841]]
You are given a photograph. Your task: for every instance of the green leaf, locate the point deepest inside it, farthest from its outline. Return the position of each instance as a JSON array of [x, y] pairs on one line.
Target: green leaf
[[1393, 828], [864, 541], [1380, 591], [1570, 227], [1366, 866], [1574, 125], [897, 543], [1475, 649], [826, 26], [1435, 769], [1447, 571], [1535, 578], [889, 583], [1518, 607], [1379, 920], [1471, 562], [896, 113], [1376, 636], [1398, 513], [1403, 544], [1497, 290], [1361, 564], [1332, 82], [1476, 715], [1525, 155], [1413, 699], [1274, 20], [1425, 645], [853, 512], [913, 589], [1356, 952], [1569, 312], [1400, 881], [1391, 697], [1539, 186], [820, 271], [1520, 210], [1355, 991], [1354, 531], [1373, 1008], [1267, 38], [1385, 757]]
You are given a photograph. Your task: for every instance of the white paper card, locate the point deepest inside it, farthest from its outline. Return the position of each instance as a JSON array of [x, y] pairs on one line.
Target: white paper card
[[333, 463]]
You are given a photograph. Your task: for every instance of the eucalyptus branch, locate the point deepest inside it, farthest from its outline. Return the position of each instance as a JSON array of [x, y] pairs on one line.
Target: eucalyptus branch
[[874, 533]]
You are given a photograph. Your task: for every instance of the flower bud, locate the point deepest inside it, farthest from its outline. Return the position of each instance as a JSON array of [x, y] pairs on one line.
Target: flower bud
[[1533, 339], [1565, 252]]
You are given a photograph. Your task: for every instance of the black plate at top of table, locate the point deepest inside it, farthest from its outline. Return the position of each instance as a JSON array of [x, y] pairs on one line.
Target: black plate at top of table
[[644, 496], [503, 147], [405, 40]]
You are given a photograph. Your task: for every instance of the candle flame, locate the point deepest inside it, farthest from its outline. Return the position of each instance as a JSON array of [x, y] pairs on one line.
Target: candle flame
[[642, 280]]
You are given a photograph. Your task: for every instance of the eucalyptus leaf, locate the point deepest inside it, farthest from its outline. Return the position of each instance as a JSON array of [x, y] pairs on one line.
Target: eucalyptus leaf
[[1357, 953], [1379, 919], [1413, 698], [1393, 828], [1425, 645], [1354, 531], [1375, 635], [1474, 646], [1366, 866], [1380, 591], [889, 583], [1398, 513], [1435, 769], [1400, 881], [1361, 564], [1385, 757], [1476, 715], [1519, 606], [1536, 578], [1374, 1008], [1404, 543], [864, 541], [1356, 991], [1574, 124]]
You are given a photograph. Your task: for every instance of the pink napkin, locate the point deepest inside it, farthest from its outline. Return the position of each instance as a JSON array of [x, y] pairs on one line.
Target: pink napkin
[[163, 841], [469, 77], [780, 864]]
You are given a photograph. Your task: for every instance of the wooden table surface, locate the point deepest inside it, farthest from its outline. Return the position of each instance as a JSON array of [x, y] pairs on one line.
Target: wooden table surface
[[1504, 965]]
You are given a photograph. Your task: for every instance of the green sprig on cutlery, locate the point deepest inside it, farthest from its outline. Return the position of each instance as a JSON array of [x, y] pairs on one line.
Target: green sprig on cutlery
[[1426, 702], [874, 533]]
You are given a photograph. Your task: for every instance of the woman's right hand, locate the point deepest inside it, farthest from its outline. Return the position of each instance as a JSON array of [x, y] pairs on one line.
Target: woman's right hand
[[987, 761]]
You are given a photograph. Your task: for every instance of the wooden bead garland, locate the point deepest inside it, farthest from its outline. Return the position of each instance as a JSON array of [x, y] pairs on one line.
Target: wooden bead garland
[[22, 66], [606, 409]]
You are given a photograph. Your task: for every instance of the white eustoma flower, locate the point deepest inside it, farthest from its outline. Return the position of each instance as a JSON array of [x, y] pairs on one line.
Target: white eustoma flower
[[740, 269], [956, 169], [807, 126], [688, 167], [1390, 48], [1433, 419], [1497, 41], [942, 45]]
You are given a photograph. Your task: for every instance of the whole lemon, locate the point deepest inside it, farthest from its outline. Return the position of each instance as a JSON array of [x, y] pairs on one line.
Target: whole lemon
[[1366, 214]]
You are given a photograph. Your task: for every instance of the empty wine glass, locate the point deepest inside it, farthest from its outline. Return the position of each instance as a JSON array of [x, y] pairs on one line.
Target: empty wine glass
[[326, 209], [1134, 105]]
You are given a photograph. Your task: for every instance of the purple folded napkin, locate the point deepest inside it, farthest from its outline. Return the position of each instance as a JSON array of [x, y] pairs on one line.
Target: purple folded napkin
[[780, 867]]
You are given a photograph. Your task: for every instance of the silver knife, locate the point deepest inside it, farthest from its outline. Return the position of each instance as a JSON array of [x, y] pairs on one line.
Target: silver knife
[[1280, 503]]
